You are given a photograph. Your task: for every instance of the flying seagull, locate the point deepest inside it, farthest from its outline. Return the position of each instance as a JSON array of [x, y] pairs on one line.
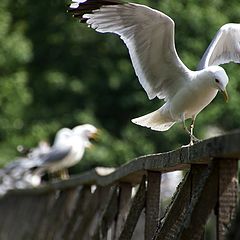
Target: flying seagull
[[67, 150], [149, 37]]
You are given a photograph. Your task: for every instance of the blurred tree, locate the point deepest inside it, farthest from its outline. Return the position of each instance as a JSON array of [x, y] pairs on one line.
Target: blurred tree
[[15, 96], [55, 72]]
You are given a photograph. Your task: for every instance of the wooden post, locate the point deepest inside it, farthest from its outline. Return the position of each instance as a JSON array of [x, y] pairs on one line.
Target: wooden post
[[234, 233], [89, 211], [196, 170], [106, 218], [125, 192], [203, 200], [171, 222], [227, 195], [51, 217], [152, 203], [80, 206], [137, 206]]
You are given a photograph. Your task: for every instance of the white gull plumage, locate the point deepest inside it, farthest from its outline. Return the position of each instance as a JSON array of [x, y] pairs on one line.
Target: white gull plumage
[[149, 36], [68, 149]]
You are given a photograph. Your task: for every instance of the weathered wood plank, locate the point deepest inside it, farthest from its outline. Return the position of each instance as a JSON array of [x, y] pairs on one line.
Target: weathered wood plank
[[204, 198], [84, 194], [66, 211], [228, 195], [54, 221], [125, 192], [14, 210], [152, 203], [234, 232], [169, 225], [107, 216], [137, 206], [91, 209], [104, 196], [7, 204], [196, 171]]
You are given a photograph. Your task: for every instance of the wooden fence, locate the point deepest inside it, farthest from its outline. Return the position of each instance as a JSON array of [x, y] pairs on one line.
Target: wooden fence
[[96, 206]]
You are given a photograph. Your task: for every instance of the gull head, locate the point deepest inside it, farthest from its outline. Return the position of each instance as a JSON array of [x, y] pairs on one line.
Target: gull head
[[219, 79], [86, 132]]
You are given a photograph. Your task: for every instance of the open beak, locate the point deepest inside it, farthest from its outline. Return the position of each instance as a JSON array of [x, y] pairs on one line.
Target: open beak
[[95, 135], [225, 95]]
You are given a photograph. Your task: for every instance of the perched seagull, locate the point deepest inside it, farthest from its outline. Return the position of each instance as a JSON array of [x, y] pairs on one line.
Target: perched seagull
[[19, 174], [149, 36], [68, 149]]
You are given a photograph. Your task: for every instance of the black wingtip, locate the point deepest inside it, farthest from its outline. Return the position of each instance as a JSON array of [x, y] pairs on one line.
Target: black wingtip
[[88, 6]]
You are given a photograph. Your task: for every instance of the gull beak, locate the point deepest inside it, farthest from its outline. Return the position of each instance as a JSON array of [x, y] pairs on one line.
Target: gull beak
[[95, 135], [225, 94]]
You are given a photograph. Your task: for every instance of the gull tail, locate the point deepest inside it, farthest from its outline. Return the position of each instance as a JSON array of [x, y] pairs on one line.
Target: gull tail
[[154, 120]]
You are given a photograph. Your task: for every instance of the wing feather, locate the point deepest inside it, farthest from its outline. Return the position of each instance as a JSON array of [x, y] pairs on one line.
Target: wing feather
[[55, 155], [224, 48], [149, 36]]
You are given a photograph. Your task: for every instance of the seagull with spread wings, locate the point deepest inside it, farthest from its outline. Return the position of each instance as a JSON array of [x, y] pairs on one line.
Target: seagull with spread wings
[[149, 37]]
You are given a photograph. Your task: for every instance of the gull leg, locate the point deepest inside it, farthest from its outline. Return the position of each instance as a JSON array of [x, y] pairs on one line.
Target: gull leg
[[64, 174], [193, 139]]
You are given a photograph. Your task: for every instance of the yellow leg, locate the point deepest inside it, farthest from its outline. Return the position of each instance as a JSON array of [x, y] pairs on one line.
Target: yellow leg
[[64, 174]]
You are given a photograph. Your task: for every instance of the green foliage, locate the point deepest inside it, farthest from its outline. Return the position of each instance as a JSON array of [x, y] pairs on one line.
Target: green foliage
[[55, 72]]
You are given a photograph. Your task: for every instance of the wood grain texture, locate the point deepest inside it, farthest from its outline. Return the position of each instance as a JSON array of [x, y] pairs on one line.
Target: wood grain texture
[[203, 200], [125, 193], [152, 203], [84, 193], [169, 225], [107, 216], [228, 195], [87, 216], [137, 206]]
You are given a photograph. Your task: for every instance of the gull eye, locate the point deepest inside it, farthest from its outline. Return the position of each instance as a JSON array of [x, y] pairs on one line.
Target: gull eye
[[216, 80]]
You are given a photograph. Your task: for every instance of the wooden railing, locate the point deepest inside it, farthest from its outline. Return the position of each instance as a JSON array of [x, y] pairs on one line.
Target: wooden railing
[[101, 203]]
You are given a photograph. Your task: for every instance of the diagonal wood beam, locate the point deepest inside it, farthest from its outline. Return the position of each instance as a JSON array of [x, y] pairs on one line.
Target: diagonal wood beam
[[152, 203], [107, 216], [203, 200], [125, 194], [169, 224], [137, 206], [228, 195]]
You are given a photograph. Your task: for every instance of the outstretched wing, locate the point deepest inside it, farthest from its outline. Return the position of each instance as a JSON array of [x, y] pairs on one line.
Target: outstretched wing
[[224, 48], [149, 36]]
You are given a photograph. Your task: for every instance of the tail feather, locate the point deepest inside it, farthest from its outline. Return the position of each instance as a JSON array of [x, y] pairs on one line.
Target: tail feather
[[154, 120]]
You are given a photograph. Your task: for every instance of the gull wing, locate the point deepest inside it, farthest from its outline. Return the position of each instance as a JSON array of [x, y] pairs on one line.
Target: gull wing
[[224, 48], [149, 36], [55, 155], [21, 163]]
